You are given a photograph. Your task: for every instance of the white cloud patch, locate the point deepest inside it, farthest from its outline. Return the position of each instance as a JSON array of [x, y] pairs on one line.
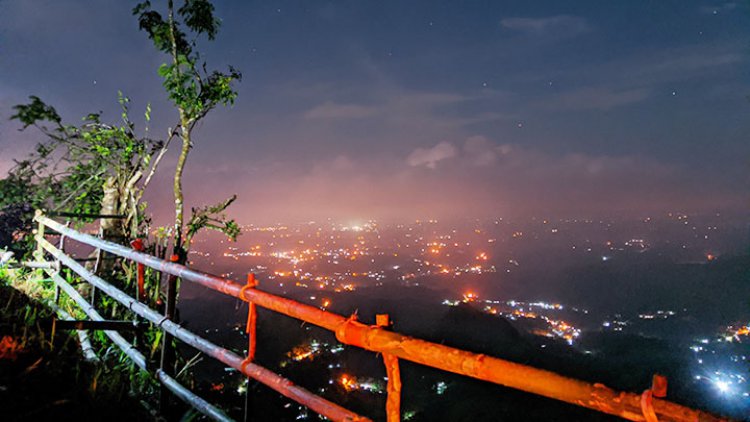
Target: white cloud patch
[[429, 157], [480, 151]]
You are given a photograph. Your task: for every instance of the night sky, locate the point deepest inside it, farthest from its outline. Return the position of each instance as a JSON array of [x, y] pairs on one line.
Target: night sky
[[420, 109]]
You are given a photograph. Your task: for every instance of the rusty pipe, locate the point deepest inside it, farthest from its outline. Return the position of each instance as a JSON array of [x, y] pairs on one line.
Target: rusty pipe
[[499, 371]]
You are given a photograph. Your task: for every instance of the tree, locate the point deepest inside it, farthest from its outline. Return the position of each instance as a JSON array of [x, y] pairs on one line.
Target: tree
[[91, 168], [96, 168], [88, 169], [194, 91]]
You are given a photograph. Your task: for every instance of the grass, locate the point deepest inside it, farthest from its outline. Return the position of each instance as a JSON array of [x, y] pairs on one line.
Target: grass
[[46, 378]]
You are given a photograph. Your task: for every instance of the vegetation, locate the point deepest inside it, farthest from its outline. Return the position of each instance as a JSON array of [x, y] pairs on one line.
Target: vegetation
[[99, 167], [105, 168], [194, 92], [43, 375], [87, 169]]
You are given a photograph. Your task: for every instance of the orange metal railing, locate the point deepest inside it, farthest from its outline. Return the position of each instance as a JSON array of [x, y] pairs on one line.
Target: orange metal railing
[[394, 346]]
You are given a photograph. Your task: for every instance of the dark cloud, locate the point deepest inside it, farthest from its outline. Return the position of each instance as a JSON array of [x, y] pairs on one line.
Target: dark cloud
[[719, 8], [600, 98], [366, 109], [560, 25]]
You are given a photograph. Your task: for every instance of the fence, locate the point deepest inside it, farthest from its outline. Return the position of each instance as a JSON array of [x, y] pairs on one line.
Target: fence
[[376, 338]]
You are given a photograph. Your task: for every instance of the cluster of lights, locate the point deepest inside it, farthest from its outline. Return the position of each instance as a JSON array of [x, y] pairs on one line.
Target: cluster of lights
[[726, 377], [734, 333], [351, 383], [337, 244], [656, 315], [726, 383], [515, 310], [307, 351], [311, 350]]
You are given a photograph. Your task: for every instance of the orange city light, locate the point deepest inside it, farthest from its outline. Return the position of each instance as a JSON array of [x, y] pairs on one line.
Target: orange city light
[[348, 382]]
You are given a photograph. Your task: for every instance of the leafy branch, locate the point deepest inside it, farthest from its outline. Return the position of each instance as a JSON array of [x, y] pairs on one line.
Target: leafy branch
[[213, 218]]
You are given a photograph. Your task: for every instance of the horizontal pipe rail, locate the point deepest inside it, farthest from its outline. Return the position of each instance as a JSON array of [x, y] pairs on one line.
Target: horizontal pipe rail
[[36, 265], [499, 371], [69, 324], [137, 357], [252, 370]]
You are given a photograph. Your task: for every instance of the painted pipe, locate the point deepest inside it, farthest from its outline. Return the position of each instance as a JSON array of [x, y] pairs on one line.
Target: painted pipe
[[257, 372], [499, 371], [36, 265]]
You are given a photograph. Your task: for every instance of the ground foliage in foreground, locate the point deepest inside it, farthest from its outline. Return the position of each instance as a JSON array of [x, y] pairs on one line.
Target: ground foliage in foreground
[[44, 379]]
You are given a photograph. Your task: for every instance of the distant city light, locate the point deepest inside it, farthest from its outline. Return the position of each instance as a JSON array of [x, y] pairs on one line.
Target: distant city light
[[722, 386], [335, 261]]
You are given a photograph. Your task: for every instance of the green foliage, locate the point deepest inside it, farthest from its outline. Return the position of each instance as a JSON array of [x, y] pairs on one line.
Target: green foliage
[[194, 91], [68, 170], [158, 29], [77, 167], [35, 111], [45, 362], [191, 88], [212, 217], [199, 17]]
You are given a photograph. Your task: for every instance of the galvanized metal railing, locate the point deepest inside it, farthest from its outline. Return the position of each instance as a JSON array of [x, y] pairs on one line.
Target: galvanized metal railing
[[376, 338], [137, 357], [229, 358]]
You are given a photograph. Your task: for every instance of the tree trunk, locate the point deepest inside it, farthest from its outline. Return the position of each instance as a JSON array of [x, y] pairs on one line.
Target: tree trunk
[[110, 228], [179, 201], [179, 248], [129, 207]]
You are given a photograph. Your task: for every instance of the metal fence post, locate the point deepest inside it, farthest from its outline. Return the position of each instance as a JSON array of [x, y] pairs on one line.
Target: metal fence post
[[39, 254], [97, 263], [252, 318], [393, 403], [137, 244], [167, 350], [60, 246]]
